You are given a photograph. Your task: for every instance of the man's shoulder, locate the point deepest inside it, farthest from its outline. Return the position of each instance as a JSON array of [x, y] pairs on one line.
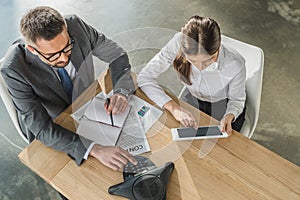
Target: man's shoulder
[[75, 24], [16, 57], [73, 20], [71, 17], [15, 54]]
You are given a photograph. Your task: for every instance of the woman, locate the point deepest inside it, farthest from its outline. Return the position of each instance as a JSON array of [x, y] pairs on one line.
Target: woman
[[213, 75]]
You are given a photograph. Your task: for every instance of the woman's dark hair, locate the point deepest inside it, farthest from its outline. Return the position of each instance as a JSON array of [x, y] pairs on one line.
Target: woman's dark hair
[[41, 22], [200, 35]]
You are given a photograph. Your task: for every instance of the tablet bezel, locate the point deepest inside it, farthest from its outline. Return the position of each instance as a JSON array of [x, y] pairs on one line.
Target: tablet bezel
[[176, 137]]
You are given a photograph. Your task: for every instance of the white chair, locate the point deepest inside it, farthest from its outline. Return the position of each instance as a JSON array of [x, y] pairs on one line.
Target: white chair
[[10, 106], [254, 58]]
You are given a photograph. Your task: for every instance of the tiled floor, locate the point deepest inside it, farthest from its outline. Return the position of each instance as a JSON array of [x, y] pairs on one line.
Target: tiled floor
[[142, 27]]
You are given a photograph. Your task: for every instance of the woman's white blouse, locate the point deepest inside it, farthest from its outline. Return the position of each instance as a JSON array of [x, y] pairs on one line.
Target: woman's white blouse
[[222, 79]]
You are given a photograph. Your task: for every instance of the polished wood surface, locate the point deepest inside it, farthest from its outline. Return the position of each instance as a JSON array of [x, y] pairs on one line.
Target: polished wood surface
[[231, 168]]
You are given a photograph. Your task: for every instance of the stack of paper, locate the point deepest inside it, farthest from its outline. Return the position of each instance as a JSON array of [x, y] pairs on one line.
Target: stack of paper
[[131, 126]]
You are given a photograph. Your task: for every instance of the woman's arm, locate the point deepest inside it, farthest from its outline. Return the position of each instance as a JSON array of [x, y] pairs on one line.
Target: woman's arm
[[147, 78], [237, 93], [147, 81], [236, 99]]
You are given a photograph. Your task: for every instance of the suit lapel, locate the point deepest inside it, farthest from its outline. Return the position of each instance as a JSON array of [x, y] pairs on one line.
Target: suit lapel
[[47, 74], [82, 79], [76, 56]]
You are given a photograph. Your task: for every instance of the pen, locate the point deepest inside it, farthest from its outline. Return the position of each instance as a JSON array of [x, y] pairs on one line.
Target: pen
[[107, 102]]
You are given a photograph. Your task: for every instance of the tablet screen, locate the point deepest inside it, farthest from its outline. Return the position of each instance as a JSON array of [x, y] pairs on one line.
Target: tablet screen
[[201, 131]]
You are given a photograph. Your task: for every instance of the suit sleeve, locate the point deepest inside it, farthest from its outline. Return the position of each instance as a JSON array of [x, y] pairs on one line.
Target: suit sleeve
[[37, 120], [110, 52]]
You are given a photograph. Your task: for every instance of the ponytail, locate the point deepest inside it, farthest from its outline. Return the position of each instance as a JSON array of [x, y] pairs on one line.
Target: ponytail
[[183, 68]]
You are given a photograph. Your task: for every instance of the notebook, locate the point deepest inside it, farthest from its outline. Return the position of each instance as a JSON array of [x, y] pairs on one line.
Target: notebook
[[97, 112], [95, 123]]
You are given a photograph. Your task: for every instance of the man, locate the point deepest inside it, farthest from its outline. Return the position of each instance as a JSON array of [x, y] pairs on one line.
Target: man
[[51, 67]]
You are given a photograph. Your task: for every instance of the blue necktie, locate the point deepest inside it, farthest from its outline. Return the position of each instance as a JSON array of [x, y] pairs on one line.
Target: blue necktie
[[65, 81]]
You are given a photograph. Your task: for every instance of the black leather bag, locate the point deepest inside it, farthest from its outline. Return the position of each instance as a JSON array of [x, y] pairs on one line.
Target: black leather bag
[[149, 185]]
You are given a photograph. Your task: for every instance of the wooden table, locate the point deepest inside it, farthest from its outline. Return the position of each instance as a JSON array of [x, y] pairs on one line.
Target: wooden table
[[230, 168]]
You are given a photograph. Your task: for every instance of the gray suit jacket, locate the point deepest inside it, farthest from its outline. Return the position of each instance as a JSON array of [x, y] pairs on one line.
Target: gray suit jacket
[[39, 96]]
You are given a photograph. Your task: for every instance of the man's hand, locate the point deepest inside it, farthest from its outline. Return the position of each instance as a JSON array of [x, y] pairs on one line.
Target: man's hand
[[183, 116], [113, 157], [118, 104], [226, 123]]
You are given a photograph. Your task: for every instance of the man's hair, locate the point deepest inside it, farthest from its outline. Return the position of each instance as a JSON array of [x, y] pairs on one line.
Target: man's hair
[[41, 22]]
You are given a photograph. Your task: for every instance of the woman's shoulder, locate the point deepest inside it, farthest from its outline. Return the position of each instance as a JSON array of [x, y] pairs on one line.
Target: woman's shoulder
[[232, 59], [173, 46], [177, 35], [175, 39], [232, 55]]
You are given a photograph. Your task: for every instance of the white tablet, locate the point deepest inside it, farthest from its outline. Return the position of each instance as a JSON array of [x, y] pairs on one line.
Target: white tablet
[[202, 132]]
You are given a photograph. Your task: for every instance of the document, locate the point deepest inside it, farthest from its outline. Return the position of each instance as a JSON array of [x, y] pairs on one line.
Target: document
[[95, 123], [100, 133], [138, 118], [133, 138], [141, 118]]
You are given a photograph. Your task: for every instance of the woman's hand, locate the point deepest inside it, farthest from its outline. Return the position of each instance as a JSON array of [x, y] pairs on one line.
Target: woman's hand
[[183, 116], [226, 123]]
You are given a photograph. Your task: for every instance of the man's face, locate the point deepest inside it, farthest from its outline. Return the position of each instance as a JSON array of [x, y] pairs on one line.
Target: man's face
[[55, 52]]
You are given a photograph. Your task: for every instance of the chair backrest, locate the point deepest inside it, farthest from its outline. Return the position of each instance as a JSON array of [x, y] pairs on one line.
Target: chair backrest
[[254, 58], [10, 106]]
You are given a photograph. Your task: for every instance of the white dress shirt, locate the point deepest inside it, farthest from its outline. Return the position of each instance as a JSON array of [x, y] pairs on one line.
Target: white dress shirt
[[72, 73], [223, 79], [70, 69]]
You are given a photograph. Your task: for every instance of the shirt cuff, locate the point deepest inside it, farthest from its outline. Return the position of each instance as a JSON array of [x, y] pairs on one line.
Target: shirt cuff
[[163, 100], [234, 113], [86, 155]]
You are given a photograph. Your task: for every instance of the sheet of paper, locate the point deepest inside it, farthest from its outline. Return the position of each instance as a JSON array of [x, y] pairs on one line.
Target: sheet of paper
[[147, 118], [95, 111], [133, 136], [80, 112], [103, 134]]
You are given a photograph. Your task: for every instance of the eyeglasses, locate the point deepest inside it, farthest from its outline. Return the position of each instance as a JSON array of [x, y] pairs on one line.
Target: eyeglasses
[[56, 55]]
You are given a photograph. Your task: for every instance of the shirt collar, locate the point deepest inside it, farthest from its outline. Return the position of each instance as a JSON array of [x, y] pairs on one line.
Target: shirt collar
[[218, 64], [211, 67]]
